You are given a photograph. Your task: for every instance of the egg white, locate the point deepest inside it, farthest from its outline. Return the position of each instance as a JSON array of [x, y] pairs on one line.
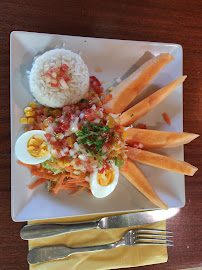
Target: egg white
[[102, 191], [21, 148]]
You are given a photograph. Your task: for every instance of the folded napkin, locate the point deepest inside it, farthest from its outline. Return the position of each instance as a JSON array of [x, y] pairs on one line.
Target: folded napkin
[[121, 257]]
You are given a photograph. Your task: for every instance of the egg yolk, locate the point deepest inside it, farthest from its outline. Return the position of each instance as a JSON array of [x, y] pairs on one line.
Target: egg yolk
[[37, 146], [106, 178]]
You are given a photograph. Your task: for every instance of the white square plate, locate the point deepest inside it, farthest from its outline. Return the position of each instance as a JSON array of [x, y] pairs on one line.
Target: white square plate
[[107, 59]]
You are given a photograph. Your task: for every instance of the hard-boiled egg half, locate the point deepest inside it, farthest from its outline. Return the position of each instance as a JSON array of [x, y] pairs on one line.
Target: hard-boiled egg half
[[102, 184], [32, 147]]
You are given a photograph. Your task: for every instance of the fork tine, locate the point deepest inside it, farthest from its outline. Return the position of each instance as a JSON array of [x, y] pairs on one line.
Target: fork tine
[[151, 239], [153, 234], [155, 243], [152, 230]]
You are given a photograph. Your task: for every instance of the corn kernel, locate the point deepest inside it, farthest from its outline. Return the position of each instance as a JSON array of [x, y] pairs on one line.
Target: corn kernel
[[111, 122], [30, 120], [29, 113], [27, 109], [66, 161], [47, 111], [60, 162], [23, 121], [70, 141], [57, 112], [45, 122], [111, 88], [33, 105]]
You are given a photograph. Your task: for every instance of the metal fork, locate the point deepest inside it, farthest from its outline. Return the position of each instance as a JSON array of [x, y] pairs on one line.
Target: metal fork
[[130, 238]]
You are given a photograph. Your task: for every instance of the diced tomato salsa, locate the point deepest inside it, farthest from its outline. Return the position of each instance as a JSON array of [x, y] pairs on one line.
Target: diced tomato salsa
[[82, 135]]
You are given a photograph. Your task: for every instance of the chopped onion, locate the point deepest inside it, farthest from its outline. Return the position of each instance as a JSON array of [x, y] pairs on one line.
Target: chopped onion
[[61, 136], [53, 139], [71, 152], [64, 84], [74, 128], [46, 68], [53, 81], [82, 157], [76, 146], [96, 121], [49, 130], [47, 79], [54, 74]]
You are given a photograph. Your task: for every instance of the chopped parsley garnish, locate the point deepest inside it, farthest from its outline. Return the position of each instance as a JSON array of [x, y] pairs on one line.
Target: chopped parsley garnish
[[57, 121], [132, 115], [79, 152], [93, 137], [84, 100]]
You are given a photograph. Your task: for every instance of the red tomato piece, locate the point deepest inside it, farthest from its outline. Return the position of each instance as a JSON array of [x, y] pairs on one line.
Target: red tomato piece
[[54, 84], [78, 163], [94, 79], [63, 127], [89, 169], [59, 76], [48, 136], [143, 126], [64, 67], [96, 85], [66, 78], [67, 109], [102, 170]]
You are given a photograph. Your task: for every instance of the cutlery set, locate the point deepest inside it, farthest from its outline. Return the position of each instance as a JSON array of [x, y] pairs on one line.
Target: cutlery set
[[130, 238]]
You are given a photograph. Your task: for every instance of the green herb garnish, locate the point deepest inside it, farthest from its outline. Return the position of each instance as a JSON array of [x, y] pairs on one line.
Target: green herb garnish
[[84, 100], [57, 121], [93, 137], [119, 162], [132, 115], [49, 167]]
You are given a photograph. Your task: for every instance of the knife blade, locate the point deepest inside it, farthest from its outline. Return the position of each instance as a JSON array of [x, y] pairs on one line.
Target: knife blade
[[35, 231]]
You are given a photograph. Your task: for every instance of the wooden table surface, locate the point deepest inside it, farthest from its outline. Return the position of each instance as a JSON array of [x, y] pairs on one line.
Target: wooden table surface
[[175, 21]]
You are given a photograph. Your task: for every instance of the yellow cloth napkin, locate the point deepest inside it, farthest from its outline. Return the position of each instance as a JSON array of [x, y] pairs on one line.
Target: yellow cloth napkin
[[121, 257]]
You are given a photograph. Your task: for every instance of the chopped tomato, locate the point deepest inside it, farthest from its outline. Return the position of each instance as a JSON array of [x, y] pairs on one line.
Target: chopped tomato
[[59, 76], [57, 130], [66, 78], [89, 169], [94, 79], [66, 109], [91, 115], [107, 145], [63, 127], [48, 136], [96, 85], [79, 126], [64, 67], [78, 163], [102, 170], [142, 126], [54, 84], [166, 118]]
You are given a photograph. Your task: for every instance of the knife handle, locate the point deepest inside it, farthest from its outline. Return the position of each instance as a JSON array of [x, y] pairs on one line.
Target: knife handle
[[35, 231]]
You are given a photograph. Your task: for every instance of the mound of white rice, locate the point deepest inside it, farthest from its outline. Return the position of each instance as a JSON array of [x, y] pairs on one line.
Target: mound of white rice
[[70, 93]]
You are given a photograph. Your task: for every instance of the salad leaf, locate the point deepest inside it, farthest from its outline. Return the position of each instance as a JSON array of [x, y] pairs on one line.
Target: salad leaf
[[49, 167]]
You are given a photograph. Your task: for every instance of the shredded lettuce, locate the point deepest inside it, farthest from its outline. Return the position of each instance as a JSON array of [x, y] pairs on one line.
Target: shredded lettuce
[[51, 168]]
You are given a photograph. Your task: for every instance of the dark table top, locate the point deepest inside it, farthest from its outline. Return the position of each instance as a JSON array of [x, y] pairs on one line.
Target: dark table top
[[164, 21]]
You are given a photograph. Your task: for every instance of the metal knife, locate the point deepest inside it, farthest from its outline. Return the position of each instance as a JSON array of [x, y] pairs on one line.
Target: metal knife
[[29, 232]]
